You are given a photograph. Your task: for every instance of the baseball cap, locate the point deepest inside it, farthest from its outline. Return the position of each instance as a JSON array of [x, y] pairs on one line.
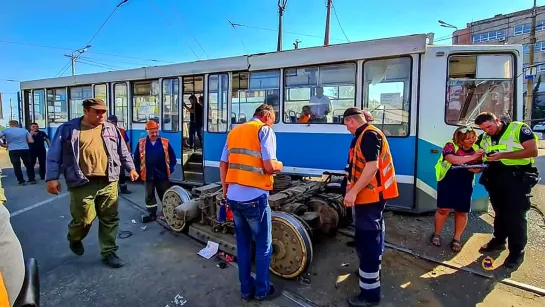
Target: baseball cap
[[95, 103], [352, 111]]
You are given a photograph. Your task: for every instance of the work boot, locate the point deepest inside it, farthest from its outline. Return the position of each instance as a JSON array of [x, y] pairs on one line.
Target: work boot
[[33, 181], [274, 292], [356, 301], [77, 247], [124, 189], [492, 245], [150, 217], [112, 261], [513, 260]]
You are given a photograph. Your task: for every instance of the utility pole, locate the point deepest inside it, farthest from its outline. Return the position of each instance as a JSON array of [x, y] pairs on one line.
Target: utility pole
[[73, 57], [281, 9], [328, 17], [530, 84], [296, 44], [10, 109]]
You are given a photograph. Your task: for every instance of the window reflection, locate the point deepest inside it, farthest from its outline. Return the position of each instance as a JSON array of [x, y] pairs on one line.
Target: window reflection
[[145, 101], [319, 94], [170, 105], [101, 92], [387, 86], [251, 90], [57, 106], [38, 114], [218, 86], [77, 96], [121, 110]]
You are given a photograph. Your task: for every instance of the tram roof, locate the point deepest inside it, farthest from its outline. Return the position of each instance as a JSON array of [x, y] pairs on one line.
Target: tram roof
[[384, 47]]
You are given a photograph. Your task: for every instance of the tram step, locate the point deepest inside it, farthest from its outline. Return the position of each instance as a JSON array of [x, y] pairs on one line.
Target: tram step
[[193, 167], [193, 176], [195, 157]]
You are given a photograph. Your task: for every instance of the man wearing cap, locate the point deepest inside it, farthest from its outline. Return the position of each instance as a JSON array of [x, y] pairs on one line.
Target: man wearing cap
[[122, 180], [371, 182], [91, 153], [155, 160]]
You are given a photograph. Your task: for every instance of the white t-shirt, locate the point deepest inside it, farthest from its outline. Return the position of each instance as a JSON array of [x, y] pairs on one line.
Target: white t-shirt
[[319, 105]]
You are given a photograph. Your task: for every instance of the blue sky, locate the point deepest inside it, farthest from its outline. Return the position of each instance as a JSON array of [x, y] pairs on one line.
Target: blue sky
[[163, 30]]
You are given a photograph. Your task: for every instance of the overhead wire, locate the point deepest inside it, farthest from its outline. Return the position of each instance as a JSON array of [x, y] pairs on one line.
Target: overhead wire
[[338, 21], [170, 25], [187, 27]]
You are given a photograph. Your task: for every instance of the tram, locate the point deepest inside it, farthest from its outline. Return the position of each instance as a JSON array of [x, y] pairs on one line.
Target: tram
[[417, 92]]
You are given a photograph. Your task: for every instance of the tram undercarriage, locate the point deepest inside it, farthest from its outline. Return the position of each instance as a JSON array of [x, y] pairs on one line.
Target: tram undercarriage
[[302, 210]]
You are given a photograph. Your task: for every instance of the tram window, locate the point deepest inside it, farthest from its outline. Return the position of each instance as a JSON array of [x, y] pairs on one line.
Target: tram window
[[77, 96], [170, 105], [145, 101], [319, 94], [387, 85], [218, 86], [121, 109], [57, 106], [251, 90], [192, 86], [38, 115], [479, 83], [101, 91]]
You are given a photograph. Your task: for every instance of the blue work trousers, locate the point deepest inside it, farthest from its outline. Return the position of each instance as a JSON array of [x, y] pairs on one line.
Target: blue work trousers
[[369, 237], [253, 219]]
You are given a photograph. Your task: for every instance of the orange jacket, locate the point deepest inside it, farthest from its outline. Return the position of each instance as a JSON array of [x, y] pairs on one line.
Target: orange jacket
[[4, 301], [142, 152], [386, 172], [245, 161]]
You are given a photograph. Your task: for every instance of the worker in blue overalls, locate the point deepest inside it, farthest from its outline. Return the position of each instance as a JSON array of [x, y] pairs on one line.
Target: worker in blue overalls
[[371, 181]]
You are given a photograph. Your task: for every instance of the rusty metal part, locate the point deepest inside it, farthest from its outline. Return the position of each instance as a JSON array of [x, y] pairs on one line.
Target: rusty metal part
[[298, 193], [329, 217], [292, 247], [295, 208], [174, 197]]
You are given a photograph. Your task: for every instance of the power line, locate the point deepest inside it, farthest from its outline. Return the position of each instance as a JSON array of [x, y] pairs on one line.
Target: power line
[[96, 64], [238, 36], [170, 25], [188, 29], [338, 21], [273, 30]]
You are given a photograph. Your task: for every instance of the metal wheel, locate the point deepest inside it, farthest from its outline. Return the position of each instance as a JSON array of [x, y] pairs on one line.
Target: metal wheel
[[174, 197], [292, 247]]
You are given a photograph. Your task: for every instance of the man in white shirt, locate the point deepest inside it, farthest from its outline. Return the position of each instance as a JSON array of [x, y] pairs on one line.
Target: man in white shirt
[[320, 106]]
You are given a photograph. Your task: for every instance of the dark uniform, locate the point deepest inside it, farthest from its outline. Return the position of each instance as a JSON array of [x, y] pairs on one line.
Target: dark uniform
[[38, 152], [509, 183]]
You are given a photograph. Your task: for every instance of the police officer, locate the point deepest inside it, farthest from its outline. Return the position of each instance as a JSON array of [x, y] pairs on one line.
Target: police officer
[[510, 150], [371, 181]]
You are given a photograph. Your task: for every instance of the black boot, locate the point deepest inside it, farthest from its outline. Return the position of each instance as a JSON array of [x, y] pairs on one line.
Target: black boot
[[514, 260], [112, 261], [492, 245], [77, 248], [124, 189], [150, 217], [356, 301]]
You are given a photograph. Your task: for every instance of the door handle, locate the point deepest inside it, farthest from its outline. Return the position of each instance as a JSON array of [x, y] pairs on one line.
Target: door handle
[[434, 151]]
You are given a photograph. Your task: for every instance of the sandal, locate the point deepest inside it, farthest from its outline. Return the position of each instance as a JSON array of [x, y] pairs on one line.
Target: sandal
[[435, 240], [455, 245]]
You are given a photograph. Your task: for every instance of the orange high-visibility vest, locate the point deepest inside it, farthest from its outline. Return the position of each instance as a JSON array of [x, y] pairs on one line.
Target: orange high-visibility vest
[[245, 160], [304, 118], [4, 299], [142, 151], [386, 172]]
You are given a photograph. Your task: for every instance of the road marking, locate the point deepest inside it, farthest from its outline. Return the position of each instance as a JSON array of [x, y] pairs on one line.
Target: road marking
[[37, 205]]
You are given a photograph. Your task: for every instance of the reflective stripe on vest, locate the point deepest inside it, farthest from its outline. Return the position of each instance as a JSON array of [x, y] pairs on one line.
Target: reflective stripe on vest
[[508, 142], [442, 166], [142, 152], [245, 158], [386, 172], [4, 298]]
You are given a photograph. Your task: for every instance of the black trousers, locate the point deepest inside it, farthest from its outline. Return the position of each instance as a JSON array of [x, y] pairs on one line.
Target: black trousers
[[40, 156], [510, 198], [152, 185], [15, 156]]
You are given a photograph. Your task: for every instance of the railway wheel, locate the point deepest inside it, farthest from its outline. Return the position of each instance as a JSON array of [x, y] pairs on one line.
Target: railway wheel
[[174, 197], [292, 247]]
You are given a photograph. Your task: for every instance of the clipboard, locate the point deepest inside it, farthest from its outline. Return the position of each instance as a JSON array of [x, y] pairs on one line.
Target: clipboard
[[482, 166]]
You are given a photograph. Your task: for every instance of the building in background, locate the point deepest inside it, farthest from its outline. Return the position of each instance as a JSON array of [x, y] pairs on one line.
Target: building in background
[[513, 28]]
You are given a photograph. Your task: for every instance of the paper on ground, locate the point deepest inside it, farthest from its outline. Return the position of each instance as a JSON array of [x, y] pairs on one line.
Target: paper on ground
[[210, 250]]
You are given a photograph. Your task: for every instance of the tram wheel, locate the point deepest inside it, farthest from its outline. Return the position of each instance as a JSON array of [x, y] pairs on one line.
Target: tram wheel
[[292, 247], [174, 197]]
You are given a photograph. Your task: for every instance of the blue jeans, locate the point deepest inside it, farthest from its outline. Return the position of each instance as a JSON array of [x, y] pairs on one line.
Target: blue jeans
[[253, 218]]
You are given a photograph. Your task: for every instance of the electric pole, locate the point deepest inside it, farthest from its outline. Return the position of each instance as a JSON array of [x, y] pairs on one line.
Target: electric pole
[[530, 84], [328, 17], [296, 44], [73, 57], [281, 9]]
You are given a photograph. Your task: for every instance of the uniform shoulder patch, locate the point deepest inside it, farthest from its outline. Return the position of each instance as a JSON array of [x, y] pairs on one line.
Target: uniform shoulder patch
[[526, 130]]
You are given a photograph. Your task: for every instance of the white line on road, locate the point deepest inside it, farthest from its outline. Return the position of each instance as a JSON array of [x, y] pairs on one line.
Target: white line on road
[[37, 205]]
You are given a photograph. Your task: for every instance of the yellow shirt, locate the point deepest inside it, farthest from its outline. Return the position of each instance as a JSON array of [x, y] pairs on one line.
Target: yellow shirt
[[93, 159]]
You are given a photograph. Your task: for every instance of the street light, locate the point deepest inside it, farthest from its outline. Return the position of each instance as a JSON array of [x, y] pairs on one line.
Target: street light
[[75, 57], [447, 25]]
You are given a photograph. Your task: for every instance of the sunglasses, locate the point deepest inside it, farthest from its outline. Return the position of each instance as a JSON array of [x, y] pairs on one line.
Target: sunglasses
[[465, 129]]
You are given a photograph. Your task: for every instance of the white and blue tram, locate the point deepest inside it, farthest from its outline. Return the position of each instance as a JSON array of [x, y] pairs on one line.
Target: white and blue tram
[[417, 92]]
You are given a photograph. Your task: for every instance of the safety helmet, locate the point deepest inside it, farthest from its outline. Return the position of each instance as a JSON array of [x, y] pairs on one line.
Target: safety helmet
[[151, 124]]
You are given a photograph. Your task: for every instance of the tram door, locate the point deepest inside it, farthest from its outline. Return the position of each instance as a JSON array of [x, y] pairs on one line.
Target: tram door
[[192, 115], [121, 110]]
